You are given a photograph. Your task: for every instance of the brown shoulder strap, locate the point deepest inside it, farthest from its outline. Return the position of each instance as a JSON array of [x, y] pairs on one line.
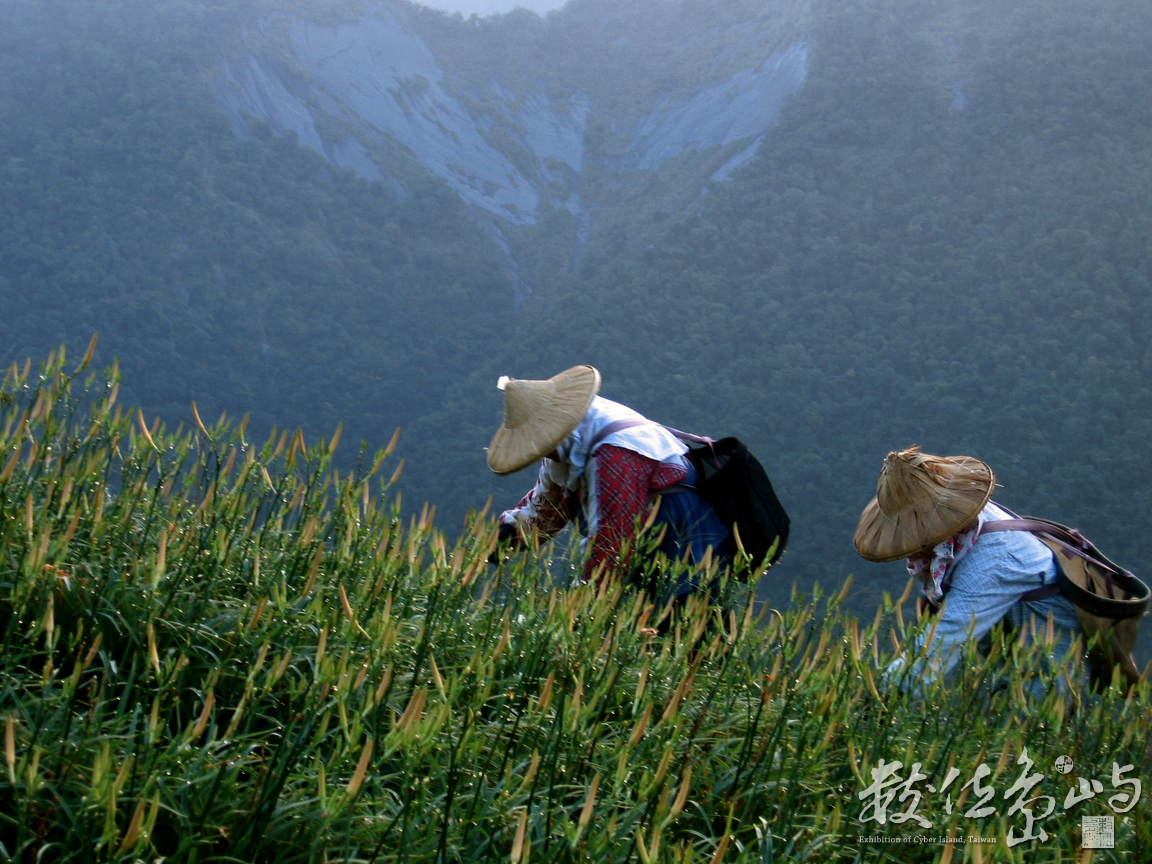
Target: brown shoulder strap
[[1120, 594], [1071, 542]]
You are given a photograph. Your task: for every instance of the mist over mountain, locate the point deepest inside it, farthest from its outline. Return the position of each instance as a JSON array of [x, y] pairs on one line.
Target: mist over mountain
[[494, 7], [832, 229]]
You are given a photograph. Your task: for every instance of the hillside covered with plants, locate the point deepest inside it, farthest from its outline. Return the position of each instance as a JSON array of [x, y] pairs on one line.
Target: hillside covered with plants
[[942, 241], [217, 647]]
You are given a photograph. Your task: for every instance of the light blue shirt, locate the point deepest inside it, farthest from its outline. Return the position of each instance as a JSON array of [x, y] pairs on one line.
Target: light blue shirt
[[987, 586]]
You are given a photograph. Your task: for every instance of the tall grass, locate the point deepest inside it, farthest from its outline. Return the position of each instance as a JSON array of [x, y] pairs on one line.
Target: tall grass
[[223, 650]]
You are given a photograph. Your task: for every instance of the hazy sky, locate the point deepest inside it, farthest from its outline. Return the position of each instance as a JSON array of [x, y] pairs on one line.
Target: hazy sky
[[490, 7]]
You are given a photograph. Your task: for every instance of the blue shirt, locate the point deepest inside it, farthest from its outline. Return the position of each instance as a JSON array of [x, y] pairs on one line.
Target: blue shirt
[[987, 587]]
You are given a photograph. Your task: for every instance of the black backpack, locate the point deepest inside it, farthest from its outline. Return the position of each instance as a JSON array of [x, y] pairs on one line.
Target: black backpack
[[734, 482]]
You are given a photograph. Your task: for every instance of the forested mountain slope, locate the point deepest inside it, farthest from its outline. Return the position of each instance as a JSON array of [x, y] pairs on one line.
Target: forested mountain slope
[[944, 242], [932, 228]]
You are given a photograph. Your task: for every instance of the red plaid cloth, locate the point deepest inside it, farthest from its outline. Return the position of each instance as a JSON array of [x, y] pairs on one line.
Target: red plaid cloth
[[623, 481]]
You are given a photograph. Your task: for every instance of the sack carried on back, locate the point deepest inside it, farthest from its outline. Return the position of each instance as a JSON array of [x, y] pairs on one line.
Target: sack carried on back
[[1109, 600]]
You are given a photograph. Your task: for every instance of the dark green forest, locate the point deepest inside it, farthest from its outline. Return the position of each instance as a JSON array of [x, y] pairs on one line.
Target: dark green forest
[[945, 241], [248, 276]]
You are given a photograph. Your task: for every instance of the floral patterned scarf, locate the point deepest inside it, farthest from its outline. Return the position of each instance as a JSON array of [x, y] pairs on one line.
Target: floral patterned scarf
[[932, 568]]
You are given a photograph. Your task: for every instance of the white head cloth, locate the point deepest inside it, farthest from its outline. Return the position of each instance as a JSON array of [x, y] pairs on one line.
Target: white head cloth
[[649, 439]]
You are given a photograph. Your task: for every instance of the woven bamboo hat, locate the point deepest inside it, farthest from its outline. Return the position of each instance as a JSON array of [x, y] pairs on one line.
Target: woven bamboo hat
[[538, 415], [920, 501]]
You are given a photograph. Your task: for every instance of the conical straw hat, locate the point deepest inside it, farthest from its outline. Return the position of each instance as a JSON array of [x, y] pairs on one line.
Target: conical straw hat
[[538, 415], [920, 501]]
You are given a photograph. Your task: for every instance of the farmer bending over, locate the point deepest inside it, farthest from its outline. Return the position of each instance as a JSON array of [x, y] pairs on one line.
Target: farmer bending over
[[603, 466], [930, 510]]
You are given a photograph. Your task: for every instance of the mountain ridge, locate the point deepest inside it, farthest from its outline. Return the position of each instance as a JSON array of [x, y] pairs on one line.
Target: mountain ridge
[[941, 241], [375, 81]]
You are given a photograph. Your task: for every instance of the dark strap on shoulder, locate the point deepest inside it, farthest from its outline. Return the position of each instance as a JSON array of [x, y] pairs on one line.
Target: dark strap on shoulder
[[1044, 592], [1072, 542], [616, 426], [688, 436]]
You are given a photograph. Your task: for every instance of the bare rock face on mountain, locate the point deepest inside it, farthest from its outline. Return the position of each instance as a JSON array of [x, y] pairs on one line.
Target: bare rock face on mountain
[[354, 91]]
